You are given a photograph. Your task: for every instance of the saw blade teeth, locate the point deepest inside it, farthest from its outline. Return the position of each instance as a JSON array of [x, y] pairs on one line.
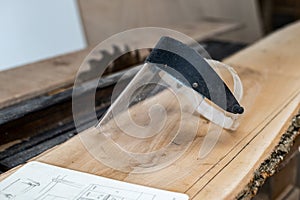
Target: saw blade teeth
[[117, 59]]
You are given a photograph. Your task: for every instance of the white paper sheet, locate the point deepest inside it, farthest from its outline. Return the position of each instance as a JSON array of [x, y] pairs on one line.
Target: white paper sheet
[[41, 181]]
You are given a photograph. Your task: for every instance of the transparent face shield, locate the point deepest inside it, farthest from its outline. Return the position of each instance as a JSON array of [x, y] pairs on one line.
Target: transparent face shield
[[147, 126], [154, 120]]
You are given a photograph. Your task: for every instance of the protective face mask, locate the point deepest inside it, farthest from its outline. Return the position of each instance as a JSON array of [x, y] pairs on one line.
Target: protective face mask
[[154, 120]]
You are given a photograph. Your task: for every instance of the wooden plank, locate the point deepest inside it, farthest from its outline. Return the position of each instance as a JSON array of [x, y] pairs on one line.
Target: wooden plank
[[240, 169], [59, 72], [101, 18], [24, 82], [272, 94]]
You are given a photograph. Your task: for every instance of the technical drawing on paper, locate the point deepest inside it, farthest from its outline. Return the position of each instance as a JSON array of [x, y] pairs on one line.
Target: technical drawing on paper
[[55, 189], [91, 192], [61, 183], [18, 187], [95, 192], [40, 181]]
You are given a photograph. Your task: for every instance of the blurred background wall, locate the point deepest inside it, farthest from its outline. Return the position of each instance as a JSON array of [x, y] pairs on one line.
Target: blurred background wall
[[32, 30], [103, 18]]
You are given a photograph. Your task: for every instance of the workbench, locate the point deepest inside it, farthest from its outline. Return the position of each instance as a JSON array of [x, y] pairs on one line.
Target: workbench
[[270, 72]]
